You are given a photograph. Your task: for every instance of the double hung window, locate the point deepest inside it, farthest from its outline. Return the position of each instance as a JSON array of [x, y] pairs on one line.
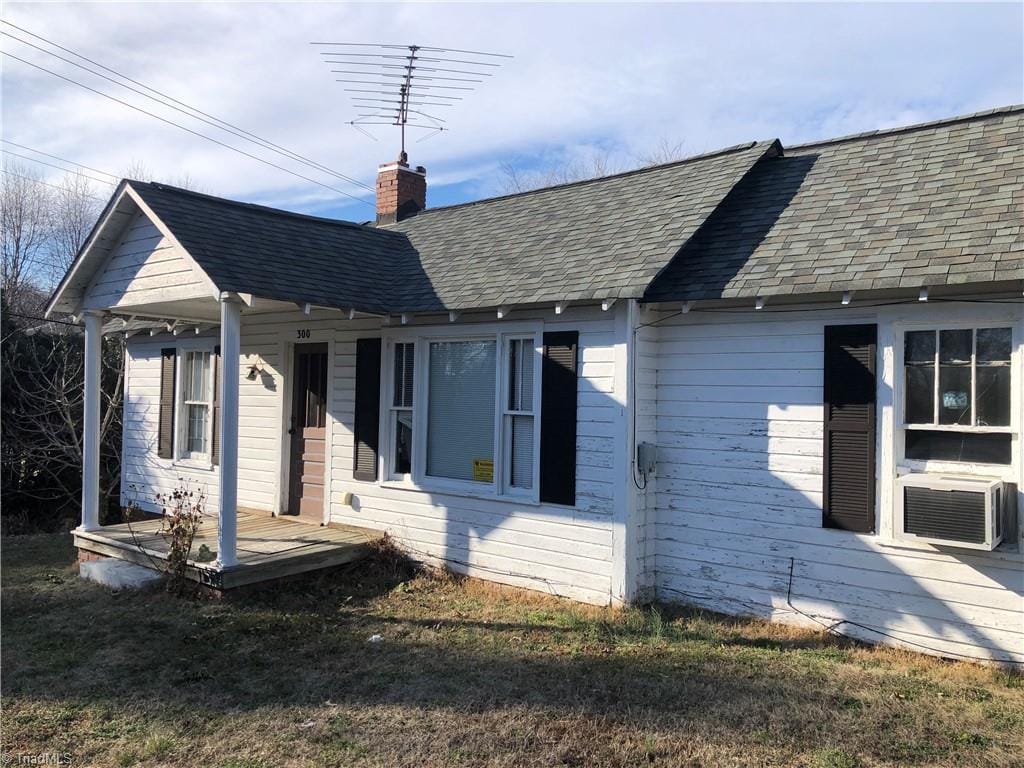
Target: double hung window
[[195, 405], [462, 413], [957, 393]]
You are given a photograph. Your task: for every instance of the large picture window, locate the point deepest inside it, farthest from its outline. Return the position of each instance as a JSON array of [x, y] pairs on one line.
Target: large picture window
[[462, 412], [195, 405], [460, 418], [957, 392]]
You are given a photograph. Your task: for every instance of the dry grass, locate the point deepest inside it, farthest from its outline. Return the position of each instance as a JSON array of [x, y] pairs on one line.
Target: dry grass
[[467, 674]]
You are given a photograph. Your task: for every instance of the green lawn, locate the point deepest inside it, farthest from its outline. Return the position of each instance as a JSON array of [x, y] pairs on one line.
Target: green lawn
[[466, 674]]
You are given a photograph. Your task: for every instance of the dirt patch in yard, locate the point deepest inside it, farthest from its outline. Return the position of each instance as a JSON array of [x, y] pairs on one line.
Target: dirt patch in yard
[[463, 674]]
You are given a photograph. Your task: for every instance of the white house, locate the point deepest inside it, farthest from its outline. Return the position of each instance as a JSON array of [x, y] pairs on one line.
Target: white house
[[766, 380]]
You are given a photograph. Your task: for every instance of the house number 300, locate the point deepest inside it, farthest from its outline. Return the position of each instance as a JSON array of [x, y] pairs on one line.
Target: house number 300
[[303, 333]]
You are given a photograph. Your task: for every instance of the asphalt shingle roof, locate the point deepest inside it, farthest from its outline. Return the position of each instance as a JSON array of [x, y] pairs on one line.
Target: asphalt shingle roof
[[605, 238], [936, 204], [941, 203], [279, 255], [597, 239]]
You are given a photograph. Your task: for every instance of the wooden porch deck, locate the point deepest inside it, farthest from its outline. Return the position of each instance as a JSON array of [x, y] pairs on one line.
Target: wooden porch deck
[[268, 547]]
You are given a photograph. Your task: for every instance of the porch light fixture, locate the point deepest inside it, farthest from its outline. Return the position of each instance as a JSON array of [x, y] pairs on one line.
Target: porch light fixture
[[923, 295], [255, 371], [847, 297], [759, 303]]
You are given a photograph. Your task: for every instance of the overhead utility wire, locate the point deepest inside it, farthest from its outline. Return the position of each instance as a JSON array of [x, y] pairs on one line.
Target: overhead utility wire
[[62, 159], [45, 183], [59, 168], [186, 129], [215, 122]]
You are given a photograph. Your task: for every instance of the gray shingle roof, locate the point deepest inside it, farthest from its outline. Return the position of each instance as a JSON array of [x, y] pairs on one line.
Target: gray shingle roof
[[936, 204], [597, 239], [287, 256], [941, 203], [605, 238]]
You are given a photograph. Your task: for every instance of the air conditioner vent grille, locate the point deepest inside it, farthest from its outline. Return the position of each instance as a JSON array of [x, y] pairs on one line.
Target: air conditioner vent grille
[[954, 515]]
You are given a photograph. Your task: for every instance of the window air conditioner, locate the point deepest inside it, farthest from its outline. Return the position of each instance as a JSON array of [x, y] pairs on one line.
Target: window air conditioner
[[953, 510]]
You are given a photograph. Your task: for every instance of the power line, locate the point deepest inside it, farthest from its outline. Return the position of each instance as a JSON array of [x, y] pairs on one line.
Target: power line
[[46, 183], [186, 129], [62, 159], [216, 122], [59, 168]]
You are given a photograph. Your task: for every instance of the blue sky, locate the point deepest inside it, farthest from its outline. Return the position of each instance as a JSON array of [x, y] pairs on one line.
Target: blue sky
[[613, 80]]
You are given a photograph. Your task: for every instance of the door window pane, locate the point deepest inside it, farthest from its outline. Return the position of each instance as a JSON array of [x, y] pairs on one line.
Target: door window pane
[[460, 410]]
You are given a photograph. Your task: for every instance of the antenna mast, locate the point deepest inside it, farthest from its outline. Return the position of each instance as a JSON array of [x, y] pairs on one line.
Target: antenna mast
[[398, 83]]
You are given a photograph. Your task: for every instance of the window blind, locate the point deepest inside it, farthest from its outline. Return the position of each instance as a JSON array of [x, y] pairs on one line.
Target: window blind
[[460, 410]]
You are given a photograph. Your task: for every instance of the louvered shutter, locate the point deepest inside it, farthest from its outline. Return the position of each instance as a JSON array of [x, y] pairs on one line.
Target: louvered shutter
[[165, 437], [215, 410], [367, 417], [849, 436], [558, 418]]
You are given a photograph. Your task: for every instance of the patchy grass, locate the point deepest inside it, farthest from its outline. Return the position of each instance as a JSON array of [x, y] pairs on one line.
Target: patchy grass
[[467, 674]]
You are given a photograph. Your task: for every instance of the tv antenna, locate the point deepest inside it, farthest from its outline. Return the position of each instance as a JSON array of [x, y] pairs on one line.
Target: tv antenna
[[404, 85]]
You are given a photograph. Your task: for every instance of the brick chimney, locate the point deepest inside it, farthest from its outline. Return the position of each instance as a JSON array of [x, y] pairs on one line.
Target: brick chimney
[[401, 190]]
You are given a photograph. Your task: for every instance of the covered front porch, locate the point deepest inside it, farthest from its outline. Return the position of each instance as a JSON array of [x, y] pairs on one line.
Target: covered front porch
[[184, 370], [268, 548]]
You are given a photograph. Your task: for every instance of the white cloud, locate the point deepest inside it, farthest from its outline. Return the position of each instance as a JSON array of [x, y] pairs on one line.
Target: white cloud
[[622, 77]]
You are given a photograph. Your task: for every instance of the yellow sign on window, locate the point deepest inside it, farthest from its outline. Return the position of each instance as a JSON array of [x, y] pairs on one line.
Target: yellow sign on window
[[483, 470]]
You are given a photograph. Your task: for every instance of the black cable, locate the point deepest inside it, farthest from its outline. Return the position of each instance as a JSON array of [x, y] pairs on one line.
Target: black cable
[[41, 319], [66, 170], [200, 115], [45, 183], [187, 130], [831, 629], [62, 159]]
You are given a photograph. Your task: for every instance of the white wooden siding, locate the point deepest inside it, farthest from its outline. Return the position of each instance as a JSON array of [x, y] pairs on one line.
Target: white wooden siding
[[739, 499], [145, 267], [562, 550], [143, 473]]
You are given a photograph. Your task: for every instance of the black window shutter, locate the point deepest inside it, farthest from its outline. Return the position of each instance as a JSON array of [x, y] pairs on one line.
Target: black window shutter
[[215, 410], [558, 418], [367, 421], [165, 437], [849, 449]]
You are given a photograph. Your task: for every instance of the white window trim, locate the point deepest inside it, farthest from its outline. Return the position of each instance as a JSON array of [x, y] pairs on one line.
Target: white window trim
[[500, 488], [182, 458], [504, 468], [390, 409], [1007, 472]]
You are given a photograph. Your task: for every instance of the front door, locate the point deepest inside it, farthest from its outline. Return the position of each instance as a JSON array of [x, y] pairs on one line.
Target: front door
[[308, 432]]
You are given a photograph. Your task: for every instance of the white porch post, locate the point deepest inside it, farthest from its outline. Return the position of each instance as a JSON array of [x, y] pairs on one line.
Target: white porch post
[[91, 422], [230, 329]]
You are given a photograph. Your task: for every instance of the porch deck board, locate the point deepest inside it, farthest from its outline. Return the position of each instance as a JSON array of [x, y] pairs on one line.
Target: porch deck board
[[268, 547]]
